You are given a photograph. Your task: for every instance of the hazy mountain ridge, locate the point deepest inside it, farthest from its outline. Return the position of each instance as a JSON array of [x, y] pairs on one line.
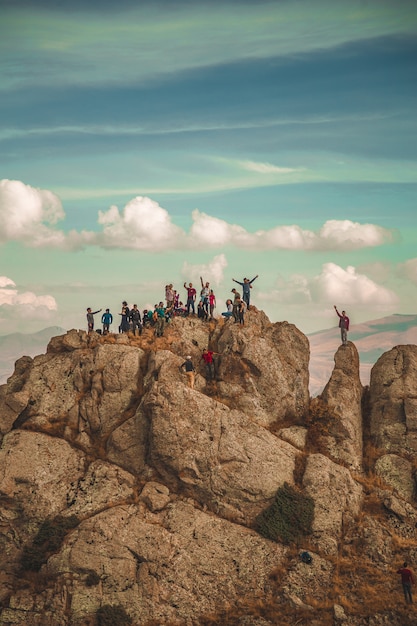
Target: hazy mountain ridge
[[15, 345]]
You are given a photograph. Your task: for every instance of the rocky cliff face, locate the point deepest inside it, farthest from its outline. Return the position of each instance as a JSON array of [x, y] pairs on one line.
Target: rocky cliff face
[[126, 495]]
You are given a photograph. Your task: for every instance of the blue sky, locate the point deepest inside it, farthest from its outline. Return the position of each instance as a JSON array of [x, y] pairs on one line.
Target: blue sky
[[148, 143]]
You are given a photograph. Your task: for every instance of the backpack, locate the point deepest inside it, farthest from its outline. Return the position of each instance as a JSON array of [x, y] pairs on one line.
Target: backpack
[[306, 557]]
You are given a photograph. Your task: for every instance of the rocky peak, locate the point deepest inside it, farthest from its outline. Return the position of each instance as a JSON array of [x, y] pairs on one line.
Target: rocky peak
[[168, 504]]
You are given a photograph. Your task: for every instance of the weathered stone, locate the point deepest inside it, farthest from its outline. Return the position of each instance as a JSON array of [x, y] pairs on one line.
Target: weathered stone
[[343, 397], [295, 435], [220, 455], [36, 471], [261, 358], [106, 429], [155, 496], [398, 473], [164, 567], [337, 499], [393, 400], [306, 579]]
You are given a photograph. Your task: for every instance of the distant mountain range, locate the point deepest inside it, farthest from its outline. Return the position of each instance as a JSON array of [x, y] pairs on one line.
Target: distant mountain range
[[13, 346], [371, 339]]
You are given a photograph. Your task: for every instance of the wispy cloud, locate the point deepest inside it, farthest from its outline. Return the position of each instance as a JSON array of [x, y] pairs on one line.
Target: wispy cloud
[[141, 44], [266, 168], [174, 128]]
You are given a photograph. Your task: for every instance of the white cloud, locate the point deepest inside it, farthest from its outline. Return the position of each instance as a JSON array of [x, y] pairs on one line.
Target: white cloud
[[24, 304], [334, 235], [347, 286], [333, 285], [141, 225], [345, 234], [214, 232], [408, 270], [213, 272], [6, 282], [27, 214]]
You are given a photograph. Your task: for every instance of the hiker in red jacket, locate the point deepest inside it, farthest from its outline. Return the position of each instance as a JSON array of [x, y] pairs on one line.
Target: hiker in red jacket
[[407, 580], [343, 325], [207, 357]]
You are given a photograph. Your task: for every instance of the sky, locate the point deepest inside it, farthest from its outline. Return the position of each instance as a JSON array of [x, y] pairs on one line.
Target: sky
[[154, 142]]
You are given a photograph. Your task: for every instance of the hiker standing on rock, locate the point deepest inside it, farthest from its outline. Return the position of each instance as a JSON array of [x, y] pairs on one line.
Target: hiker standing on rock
[[246, 287], [106, 320], [191, 293], [136, 320], [90, 319], [207, 357], [407, 580], [242, 308], [125, 313], [189, 370], [343, 325], [236, 303]]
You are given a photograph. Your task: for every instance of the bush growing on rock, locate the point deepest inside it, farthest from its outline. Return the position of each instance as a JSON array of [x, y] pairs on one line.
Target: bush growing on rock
[[289, 518], [108, 615]]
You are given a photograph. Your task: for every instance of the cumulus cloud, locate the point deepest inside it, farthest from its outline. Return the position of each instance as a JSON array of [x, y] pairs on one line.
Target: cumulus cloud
[[344, 234], [142, 225], [334, 235], [213, 272], [335, 284], [24, 304], [28, 215], [215, 232]]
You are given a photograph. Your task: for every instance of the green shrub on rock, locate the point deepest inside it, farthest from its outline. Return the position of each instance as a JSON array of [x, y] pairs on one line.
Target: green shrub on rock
[[289, 518], [108, 615]]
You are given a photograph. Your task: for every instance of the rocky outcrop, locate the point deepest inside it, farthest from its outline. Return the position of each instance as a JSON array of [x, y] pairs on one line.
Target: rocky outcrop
[[121, 486], [264, 372], [343, 398], [337, 499], [393, 400], [393, 418]]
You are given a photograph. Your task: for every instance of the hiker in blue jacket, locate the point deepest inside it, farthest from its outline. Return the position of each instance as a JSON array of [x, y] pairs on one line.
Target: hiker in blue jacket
[[106, 320], [246, 287]]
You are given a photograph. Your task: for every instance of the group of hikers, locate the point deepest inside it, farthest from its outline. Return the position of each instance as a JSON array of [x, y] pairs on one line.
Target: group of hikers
[[131, 319]]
